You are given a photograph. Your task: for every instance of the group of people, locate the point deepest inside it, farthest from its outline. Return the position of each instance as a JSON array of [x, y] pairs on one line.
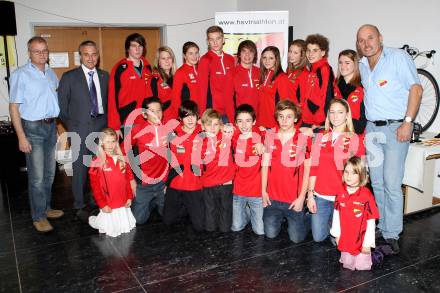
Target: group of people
[[226, 142]]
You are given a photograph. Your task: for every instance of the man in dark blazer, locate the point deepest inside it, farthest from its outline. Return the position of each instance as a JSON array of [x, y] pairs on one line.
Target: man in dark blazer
[[82, 95]]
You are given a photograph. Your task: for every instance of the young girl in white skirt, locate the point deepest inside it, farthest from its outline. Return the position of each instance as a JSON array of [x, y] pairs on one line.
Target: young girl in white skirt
[[112, 185]]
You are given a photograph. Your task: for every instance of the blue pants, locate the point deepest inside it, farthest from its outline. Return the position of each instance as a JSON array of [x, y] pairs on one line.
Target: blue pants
[[147, 197], [386, 160], [322, 219], [40, 165], [273, 218], [245, 209]]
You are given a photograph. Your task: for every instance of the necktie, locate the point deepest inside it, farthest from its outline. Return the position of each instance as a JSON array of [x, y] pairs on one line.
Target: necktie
[[93, 96]]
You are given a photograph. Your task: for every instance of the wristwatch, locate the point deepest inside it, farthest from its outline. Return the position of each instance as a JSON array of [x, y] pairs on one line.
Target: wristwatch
[[408, 119]]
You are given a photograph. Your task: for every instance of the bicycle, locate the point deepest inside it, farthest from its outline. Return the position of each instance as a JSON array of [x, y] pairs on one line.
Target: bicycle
[[429, 105]]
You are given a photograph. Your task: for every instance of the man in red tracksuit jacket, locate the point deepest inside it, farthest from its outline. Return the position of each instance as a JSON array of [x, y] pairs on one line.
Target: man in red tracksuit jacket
[[129, 82], [215, 76]]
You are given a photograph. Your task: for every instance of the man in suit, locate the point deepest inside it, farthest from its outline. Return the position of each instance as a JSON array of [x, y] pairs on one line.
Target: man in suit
[[82, 95]]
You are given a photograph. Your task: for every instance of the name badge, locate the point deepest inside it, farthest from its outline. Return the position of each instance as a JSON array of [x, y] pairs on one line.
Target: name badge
[[180, 149]]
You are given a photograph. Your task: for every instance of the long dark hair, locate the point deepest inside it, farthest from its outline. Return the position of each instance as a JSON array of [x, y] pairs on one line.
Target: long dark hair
[[277, 70]]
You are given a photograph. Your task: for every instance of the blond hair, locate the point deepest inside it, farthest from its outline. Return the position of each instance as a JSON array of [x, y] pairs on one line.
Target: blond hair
[[209, 115], [162, 73], [101, 154], [348, 122], [359, 168]]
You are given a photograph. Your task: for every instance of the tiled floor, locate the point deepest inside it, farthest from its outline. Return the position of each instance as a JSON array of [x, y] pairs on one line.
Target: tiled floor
[[155, 258]]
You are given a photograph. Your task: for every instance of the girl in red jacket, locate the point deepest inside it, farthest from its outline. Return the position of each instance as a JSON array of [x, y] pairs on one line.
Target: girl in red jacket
[[354, 217], [331, 148], [186, 84], [112, 185], [246, 75], [348, 87], [319, 82], [274, 86], [162, 81], [297, 71]]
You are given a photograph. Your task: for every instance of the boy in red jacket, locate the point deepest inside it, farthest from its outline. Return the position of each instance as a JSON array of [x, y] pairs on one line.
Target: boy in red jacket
[[215, 76], [129, 82], [219, 171], [150, 167], [184, 194], [246, 76], [319, 86]]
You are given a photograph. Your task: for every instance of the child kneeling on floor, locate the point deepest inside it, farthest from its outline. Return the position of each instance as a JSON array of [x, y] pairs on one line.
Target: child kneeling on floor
[[112, 185], [354, 217]]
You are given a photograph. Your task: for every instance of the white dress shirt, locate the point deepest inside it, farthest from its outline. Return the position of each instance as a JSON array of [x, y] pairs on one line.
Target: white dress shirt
[[97, 85]]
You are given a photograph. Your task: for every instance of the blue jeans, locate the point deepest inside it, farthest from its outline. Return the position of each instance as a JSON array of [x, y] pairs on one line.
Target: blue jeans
[[322, 219], [147, 197], [40, 163], [245, 209], [273, 218], [386, 160]]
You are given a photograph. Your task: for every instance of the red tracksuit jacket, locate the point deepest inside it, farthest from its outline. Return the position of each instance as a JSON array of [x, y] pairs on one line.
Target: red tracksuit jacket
[[183, 145], [354, 212], [355, 99], [247, 180], [186, 86], [284, 181], [299, 81], [246, 83], [319, 92], [127, 90], [163, 91], [110, 185], [215, 76], [328, 158], [152, 143], [270, 92], [219, 167]]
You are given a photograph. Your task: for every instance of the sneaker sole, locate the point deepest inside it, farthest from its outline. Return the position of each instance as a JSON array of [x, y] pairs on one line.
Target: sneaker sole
[[54, 217]]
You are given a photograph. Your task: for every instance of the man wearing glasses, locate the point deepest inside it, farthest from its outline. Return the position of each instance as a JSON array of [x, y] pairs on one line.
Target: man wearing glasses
[[33, 107]]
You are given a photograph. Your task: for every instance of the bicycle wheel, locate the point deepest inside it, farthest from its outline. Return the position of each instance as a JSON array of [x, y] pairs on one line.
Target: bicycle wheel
[[430, 99]]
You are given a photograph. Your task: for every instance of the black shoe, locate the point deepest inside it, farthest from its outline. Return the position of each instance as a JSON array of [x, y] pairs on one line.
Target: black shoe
[[333, 241], [82, 215], [378, 233], [94, 211], [394, 243]]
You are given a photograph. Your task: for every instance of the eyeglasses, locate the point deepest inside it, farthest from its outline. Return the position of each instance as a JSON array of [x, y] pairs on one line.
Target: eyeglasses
[[38, 52]]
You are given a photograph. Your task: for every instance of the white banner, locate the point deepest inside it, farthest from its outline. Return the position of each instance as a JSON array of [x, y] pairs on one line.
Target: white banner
[[264, 28]]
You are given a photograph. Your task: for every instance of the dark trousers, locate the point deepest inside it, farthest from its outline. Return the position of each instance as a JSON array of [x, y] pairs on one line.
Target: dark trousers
[[179, 203], [80, 186], [218, 207], [148, 196]]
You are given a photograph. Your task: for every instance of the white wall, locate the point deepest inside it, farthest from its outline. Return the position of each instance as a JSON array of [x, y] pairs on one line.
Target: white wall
[[113, 12], [400, 22]]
